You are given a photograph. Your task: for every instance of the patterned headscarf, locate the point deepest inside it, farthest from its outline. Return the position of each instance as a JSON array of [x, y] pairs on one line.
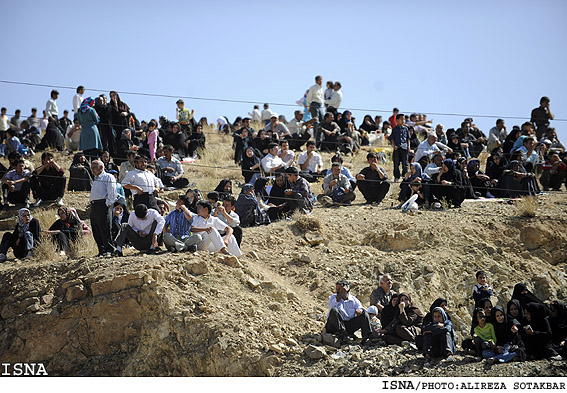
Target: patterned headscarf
[[86, 104], [70, 218], [22, 226]]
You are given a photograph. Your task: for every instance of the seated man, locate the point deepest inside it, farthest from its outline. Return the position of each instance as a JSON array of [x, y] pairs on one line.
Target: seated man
[[179, 222], [207, 228], [310, 163], [328, 132], [142, 230], [279, 130], [554, 172], [287, 156], [48, 181], [271, 162], [372, 180], [171, 169], [299, 196], [227, 214], [300, 130], [344, 170], [428, 148], [16, 185], [336, 187], [346, 314], [381, 296]]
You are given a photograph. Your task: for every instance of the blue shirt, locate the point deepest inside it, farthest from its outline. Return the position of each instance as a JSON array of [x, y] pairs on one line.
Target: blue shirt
[[174, 163], [104, 187], [178, 224], [400, 136], [347, 307], [13, 175]]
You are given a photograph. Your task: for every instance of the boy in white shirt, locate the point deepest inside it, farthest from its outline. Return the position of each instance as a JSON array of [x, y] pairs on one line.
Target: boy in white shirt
[[207, 227]]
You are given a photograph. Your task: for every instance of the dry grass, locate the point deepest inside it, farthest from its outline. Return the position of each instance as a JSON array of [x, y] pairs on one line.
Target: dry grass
[[526, 207], [306, 223]]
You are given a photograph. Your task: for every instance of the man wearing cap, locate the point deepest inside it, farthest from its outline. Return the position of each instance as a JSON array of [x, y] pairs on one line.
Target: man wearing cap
[[184, 116], [102, 198], [299, 194], [381, 296], [315, 99], [346, 314], [278, 129], [428, 148], [142, 183]]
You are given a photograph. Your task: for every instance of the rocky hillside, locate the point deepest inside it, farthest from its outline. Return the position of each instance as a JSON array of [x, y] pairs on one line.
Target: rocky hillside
[[199, 314]]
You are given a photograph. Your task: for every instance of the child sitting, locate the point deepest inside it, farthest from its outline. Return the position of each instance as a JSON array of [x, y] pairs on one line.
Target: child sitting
[[481, 290], [438, 337], [485, 335], [374, 321]]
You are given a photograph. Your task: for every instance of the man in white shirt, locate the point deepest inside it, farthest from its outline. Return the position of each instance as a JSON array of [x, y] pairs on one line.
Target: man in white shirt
[[266, 114], [142, 183], [73, 136], [285, 154], [255, 114], [102, 198], [226, 214], [428, 148], [334, 103], [271, 162], [315, 99], [300, 131], [208, 227], [142, 230], [346, 314], [497, 135], [310, 163], [78, 99]]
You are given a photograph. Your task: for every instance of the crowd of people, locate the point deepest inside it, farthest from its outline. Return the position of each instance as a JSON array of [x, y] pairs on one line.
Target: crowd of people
[[435, 168], [528, 329]]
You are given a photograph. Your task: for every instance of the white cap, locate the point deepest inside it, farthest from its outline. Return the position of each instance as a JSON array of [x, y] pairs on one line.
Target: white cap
[[372, 310]]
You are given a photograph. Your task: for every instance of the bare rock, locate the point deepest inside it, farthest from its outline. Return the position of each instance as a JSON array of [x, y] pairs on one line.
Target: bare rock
[[277, 348], [196, 268], [231, 260], [331, 340], [252, 283], [76, 292], [313, 352], [314, 238], [117, 284], [291, 342]]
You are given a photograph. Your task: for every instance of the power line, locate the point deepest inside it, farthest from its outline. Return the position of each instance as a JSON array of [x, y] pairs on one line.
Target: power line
[[260, 102]]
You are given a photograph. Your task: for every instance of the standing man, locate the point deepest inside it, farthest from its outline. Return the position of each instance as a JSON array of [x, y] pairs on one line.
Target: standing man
[[334, 102], [51, 109], [142, 183], [381, 296], [541, 117], [400, 145], [346, 314], [102, 198], [266, 114], [78, 99], [315, 99], [65, 122]]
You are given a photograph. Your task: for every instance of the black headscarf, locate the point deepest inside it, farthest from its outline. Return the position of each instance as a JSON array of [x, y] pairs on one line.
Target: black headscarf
[[429, 316], [520, 318], [493, 170], [538, 315], [277, 193], [503, 330], [389, 312], [260, 188], [510, 139], [220, 188], [370, 126], [559, 322], [524, 298]]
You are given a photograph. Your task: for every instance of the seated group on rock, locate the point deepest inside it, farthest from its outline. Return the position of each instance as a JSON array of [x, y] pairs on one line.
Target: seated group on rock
[[528, 329]]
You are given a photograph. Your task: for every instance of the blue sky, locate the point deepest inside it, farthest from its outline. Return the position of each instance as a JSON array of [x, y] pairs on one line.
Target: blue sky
[[472, 58]]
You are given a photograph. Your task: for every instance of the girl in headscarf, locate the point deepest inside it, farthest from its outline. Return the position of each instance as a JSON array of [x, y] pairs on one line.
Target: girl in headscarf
[[439, 302], [24, 238], [438, 336], [389, 314], [250, 164], [414, 172], [192, 201], [510, 140], [508, 342], [480, 181], [224, 188], [558, 323], [449, 184], [494, 170], [409, 321], [90, 142], [516, 181], [536, 335], [260, 188], [65, 230], [514, 310], [454, 142], [80, 174], [248, 208]]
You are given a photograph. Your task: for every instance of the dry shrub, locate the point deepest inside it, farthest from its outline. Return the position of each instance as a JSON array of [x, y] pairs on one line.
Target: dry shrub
[[526, 207], [306, 223]]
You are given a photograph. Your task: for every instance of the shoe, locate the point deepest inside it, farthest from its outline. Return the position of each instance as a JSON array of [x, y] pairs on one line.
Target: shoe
[[29, 255], [3, 258], [179, 247], [450, 358], [490, 361], [37, 203], [364, 342], [106, 254], [59, 201], [192, 248], [62, 253], [117, 253], [489, 195], [556, 357]]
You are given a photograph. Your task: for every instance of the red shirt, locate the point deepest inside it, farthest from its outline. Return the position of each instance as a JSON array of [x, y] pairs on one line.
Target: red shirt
[[393, 121]]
